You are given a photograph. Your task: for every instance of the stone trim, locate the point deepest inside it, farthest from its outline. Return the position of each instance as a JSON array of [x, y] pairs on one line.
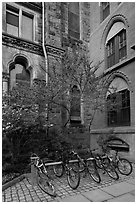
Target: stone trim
[[28, 46], [54, 51], [112, 20], [107, 130], [119, 65], [113, 71], [20, 43]]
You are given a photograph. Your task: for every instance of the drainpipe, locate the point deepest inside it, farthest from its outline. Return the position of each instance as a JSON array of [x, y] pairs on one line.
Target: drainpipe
[[44, 50], [43, 41]]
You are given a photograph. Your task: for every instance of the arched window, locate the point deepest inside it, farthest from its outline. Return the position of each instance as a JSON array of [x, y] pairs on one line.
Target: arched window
[[75, 105], [118, 103], [19, 75], [116, 44]]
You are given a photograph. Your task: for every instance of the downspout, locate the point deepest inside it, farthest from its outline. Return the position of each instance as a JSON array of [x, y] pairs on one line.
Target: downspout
[[43, 41], [44, 50]]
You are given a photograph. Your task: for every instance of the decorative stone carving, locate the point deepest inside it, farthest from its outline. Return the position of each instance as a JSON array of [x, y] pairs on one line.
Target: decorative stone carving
[[21, 44], [54, 51], [122, 75], [30, 46]]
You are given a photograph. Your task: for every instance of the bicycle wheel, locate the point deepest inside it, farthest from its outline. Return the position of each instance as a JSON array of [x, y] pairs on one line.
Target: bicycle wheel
[[58, 170], [111, 171], [124, 166], [92, 170], [45, 184], [73, 178]]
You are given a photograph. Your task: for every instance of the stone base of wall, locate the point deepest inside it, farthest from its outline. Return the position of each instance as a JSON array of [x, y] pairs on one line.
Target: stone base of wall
[[125, 133]]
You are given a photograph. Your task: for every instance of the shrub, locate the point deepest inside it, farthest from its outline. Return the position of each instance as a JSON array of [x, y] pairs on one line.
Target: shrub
[[22, 142]]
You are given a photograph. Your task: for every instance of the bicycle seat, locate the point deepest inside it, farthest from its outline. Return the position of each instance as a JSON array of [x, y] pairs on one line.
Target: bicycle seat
[[34, 156]]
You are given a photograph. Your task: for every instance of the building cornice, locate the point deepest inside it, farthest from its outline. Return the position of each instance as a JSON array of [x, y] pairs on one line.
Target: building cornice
[[22, 44], [54, 51], [28, 46]]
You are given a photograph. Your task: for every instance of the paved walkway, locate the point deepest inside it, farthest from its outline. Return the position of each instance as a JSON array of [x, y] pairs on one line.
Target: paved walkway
[[108, 190]]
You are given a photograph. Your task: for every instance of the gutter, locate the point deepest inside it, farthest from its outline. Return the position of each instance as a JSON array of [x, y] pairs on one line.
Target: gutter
[[43, 41]]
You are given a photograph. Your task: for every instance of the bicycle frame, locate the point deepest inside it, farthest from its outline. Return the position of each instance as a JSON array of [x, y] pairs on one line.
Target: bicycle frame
[[114, 159], [44, 181]]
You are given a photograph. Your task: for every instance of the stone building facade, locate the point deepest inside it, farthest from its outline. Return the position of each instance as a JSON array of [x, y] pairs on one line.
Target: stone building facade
[[35, 35], [112, 42]]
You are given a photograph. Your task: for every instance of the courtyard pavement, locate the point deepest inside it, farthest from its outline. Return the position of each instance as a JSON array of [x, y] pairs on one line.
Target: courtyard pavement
[[109, 190]]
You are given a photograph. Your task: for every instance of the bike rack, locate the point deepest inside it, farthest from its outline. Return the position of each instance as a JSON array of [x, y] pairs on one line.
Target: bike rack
[[60, 162], [34, 170]]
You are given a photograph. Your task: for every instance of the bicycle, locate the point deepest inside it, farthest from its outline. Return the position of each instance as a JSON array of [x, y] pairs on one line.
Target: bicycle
[[88, 165], [64, 166], [123, 165], [103, 162], [44, 180]]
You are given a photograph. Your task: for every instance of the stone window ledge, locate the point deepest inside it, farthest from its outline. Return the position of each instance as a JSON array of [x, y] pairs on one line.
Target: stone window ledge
[[123, 130]]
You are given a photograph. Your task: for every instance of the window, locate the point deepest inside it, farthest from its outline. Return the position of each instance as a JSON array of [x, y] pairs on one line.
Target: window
[[19, 75], [19, 23], [118, 106], [116, 48], [12, 21], [122, 44], [73, 20], [27, 26], [75, 106], [105, 10]]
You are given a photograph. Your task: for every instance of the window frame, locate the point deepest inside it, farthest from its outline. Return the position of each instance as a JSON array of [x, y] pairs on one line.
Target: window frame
[[18, 77], [103, 10], [22, 12], [75, 96], [117, 49], [70, 29], [13, 11], [118, 109]]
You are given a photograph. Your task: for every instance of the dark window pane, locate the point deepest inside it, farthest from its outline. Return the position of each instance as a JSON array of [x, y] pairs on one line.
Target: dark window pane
[[118, 107], [111, 52], [75, 102], [19, 75], [73, 20], [122, 44], [12, 19], [105, 9]]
